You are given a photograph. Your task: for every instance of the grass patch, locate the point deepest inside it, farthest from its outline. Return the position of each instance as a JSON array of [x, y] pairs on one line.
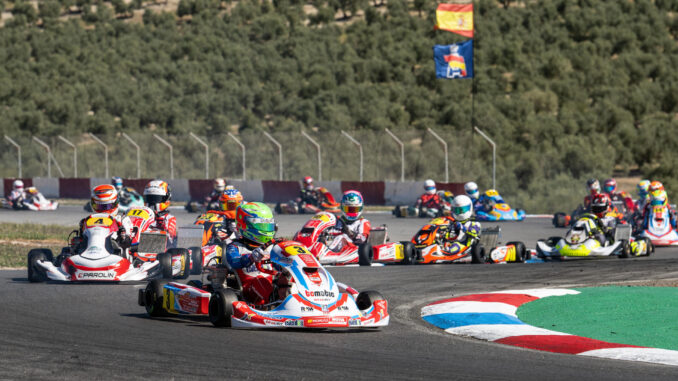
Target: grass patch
[[16, 255], [34, 231]]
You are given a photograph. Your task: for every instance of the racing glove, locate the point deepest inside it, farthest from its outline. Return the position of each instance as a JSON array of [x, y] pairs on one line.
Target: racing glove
[[257, 254]]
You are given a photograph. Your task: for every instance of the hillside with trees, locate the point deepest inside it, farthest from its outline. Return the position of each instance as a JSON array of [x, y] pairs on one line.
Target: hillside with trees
[[568, 89]]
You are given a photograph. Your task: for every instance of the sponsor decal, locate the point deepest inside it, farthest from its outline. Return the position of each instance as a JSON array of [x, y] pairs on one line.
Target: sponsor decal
[[319, 294], [188, 302], [273, 322], [295, 323], [338, 320], [308, 260], [354, 322], [96, 275], [306, 309]]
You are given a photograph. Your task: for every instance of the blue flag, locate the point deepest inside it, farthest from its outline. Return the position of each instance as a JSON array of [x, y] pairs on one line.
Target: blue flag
[[454, 61]]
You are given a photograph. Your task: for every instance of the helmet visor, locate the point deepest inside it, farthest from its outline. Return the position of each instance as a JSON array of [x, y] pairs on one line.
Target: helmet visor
[[263, 225], [459, 210], [609, 188], [104, 207], [352, 209], [429, 188], [598, 208], [230, 205], [154, 198], [657, 202]]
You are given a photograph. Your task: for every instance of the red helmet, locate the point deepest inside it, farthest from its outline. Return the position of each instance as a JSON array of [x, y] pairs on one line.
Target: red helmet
[[105, 199], [593, 186], [610, 186], [601, 205], [307, 182]]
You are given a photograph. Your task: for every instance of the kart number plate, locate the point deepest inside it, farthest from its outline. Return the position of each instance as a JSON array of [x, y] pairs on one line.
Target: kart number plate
[[98, 221], [139, 213]]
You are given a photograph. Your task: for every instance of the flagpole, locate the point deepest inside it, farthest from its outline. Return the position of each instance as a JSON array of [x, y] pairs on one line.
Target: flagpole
[[473, 94]]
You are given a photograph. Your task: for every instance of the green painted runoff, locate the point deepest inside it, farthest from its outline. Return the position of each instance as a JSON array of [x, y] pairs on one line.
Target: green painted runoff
[[643, 316]]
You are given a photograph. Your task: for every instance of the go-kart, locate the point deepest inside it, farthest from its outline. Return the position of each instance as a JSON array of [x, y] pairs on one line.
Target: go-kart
[[326, 203], [431, 247], [618, 210], [32, 200], [444, 209], [494, 208], [316, 235], [128, 198], [580, 241], [95, 256], [208, 252], [310, 297], [659, 230]]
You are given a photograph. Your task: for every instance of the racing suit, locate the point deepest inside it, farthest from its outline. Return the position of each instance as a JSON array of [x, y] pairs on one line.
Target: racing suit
[[356, 232], [121, 237], [309, 196], [604, 227], [167, 222], [461, 235], [647, 214], [222, 229], [15, 198], [212, 200], [125, 195], [429, 201], [256, 279]]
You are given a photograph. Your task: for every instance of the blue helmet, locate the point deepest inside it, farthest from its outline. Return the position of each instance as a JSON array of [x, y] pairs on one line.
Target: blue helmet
[[352, 205], [116, 181]]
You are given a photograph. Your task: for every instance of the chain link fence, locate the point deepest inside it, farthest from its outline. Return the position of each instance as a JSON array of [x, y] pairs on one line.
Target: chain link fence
[[339, 156]]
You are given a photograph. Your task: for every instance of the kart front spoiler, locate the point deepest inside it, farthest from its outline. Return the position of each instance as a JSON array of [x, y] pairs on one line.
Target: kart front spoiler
[[134, 274]]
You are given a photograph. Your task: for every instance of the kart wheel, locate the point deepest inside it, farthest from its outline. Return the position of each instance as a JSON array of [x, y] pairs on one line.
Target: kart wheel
[[196, 260], [165, 260], [521, 251], [221, 307], [366, 299], [365, 254], [650, 247], [559, 220], [36, 273], [396, 211], [626, 249], [88, 207], [478, 254], [409, 252], [185, 261], [154, 299]]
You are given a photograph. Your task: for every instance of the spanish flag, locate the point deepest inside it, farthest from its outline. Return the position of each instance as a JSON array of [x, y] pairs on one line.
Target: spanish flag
[[456, 18]]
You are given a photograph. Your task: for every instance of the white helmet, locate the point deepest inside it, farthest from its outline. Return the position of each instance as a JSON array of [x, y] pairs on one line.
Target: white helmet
[[471, 190], [18, 185], [219, 184], [430, 186], [462, 208]]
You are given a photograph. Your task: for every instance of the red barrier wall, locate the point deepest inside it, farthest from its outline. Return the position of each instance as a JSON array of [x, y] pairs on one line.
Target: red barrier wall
[[74, 187], [7, 182], [199, 189], [280, 191], [456, 188], [372, 191]]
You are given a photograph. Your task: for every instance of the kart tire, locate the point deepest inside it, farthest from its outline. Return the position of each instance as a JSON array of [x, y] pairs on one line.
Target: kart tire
[[478, 254], [649, 245], [365, 254], [196, 260], [154, 299], [186, 260], [88, 207], [366, 299], [626, 249], [165, 260], [409, 253], [396, 211], [221, 307], [37, 274], [277, 209], [559, 220], [521, 251]]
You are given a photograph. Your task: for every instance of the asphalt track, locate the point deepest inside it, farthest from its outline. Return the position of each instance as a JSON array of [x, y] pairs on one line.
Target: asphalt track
[[63, 331]]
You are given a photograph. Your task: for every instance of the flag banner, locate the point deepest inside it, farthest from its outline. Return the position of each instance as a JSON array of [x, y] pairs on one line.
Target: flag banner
[[454, 61], [456, 18]]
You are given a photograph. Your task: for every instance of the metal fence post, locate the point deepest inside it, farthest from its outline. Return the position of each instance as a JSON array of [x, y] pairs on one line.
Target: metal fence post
[[317, 147], [494, 156], [280, 154], [163, 141], [360, 148], [132, 142], [49, 154], [75, 155], [447, 175], [242, 147], [105, 150], [402, 153], [207, 153], [18, 150]]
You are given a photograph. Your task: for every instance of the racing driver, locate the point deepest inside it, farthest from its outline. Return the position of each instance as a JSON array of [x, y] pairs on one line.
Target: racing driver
[[157, 195]]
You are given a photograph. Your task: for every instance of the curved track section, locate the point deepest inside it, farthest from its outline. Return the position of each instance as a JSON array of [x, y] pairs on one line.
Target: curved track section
[[61, 331]]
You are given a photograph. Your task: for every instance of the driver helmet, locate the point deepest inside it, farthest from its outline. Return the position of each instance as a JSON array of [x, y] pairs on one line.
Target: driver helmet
[[117, 182], [230, 200], [659, 198], [352, 205], [307, 183], [462, 208], [18, 185], [430, 186], [255, 222], [105, 199], [471, 190], [157, 195], [655, 186], [593, 185], [610, 186], [600, 205], [643, 188], [219, 185]]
